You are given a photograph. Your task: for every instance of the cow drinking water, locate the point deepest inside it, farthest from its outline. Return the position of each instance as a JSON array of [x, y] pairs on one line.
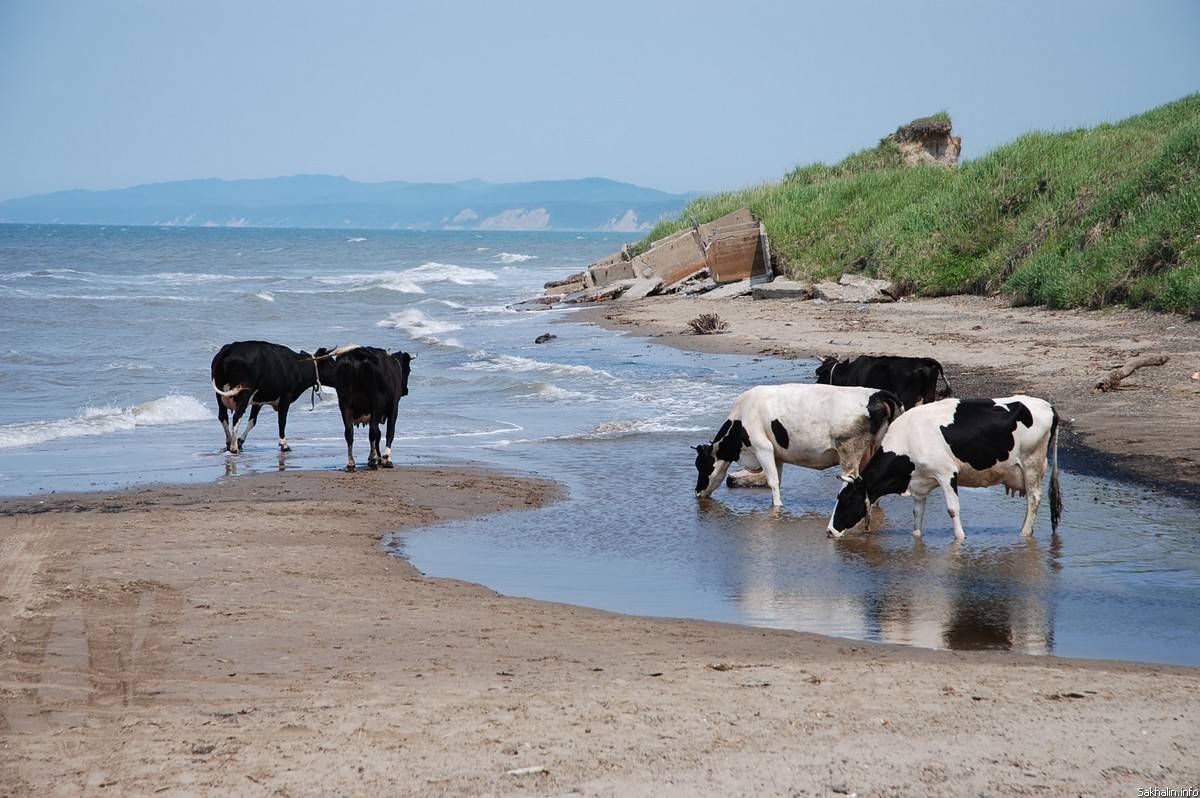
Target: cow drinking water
[[250, 374], [815, 426], [973, 443]]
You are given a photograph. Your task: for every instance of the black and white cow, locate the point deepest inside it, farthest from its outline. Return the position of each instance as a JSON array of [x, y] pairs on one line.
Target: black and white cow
[[256, 373], [815, 426], [913, 379], [973, 443], [370, 383]]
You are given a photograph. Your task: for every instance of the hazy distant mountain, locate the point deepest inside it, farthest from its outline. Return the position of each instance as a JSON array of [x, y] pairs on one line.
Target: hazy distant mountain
[[335, 202]]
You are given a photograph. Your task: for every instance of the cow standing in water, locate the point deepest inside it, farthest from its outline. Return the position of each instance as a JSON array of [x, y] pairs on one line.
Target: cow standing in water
[[913, 379], [250, 374], [815, 426], [370, 383], [972, 443]]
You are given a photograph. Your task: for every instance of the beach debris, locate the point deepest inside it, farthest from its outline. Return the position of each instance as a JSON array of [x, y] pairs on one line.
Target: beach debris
[[780, 288], [533, 770], [544, 338], [1113, 381], [731, 249], [707, 324], [856, 289], [745, 478]]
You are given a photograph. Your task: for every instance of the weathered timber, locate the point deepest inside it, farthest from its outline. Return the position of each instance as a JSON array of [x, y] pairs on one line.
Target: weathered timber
[[1113, 381]]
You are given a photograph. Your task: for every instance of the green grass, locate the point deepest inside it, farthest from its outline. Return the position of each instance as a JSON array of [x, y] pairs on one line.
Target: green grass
[[1087, 218]]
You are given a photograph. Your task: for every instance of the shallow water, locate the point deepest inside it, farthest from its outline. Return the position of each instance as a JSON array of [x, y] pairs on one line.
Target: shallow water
[[104, 384], [1117, 581]]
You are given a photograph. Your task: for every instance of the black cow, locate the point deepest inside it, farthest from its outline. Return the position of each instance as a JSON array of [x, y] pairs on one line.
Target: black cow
[[256, 373], [913, 379], [956, 443], [370, 383]]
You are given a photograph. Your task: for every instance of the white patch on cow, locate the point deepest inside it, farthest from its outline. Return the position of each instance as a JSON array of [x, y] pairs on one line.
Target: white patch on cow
[[826, 425]]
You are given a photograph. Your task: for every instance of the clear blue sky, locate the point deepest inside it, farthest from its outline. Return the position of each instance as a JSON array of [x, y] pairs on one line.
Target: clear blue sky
[[677, 96]]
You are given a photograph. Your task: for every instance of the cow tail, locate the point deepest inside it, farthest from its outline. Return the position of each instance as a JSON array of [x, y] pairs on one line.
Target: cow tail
[[946, 382], [241, 386], [1056, 507]]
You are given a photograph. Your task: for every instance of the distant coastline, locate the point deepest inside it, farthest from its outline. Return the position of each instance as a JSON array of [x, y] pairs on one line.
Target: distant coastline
[[321, 201]]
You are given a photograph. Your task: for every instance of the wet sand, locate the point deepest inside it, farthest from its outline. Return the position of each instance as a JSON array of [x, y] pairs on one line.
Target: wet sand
[[252, 638]]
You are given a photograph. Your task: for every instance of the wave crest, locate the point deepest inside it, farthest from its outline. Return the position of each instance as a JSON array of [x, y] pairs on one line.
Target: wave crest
[[167, 410]]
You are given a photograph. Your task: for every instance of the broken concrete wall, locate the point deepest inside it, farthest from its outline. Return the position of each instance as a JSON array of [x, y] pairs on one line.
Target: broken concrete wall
[[728, 249]]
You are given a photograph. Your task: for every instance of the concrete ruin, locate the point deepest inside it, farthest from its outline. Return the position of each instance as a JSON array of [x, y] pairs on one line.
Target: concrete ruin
[[728, 250]]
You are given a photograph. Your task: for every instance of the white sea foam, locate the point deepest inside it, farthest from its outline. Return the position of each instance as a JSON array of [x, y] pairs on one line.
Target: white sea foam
[[509, 257], [548, 390], [355, 240], [518, 364], [417, 324], [265, 296], [387, 280], [128, 365], [167, 410], [434, 272]]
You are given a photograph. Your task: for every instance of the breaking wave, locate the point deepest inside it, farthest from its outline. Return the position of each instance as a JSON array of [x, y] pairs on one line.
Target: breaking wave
[[173, 409], [417, 324]]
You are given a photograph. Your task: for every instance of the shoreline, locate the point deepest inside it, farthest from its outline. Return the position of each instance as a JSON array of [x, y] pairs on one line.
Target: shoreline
[[253, 637]]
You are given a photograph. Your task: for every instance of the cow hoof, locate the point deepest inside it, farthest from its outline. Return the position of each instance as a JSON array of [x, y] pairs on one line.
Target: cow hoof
[[351, 468], [386, 464]]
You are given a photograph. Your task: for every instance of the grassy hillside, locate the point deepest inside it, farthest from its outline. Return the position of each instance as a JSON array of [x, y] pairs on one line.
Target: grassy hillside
[[1088, 218]]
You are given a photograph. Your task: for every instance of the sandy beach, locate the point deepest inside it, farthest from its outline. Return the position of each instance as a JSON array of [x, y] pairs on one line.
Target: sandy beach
[[252, 637]]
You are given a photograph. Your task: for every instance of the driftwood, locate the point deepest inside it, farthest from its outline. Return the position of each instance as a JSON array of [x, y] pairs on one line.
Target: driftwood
[[707, 324], [1113, 380]]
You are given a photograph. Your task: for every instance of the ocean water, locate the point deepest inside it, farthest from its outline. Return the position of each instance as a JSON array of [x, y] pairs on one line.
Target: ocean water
[[106, 335]]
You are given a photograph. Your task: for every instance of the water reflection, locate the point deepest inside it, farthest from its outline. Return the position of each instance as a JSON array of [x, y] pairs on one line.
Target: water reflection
[[960, 597]]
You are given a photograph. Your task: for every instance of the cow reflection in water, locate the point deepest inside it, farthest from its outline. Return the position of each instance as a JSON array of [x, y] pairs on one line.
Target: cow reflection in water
[[780, 570], [963, 598]]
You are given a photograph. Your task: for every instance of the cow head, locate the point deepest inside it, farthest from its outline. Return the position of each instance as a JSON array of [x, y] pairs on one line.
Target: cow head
[[825, 371], [325, 369], [705, 463], [887, 472], [405, 360], [852, 506]]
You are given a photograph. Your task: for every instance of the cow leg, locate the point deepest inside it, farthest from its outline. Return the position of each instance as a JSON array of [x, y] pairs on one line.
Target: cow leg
[[249, 424], [853, 457], [391, 434], [348, 423], [919, 489], [236, 441], [953, 506], [374, 458], [1033, 496], [772, 467], [918, 513], [282, 412], [223, 417]]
